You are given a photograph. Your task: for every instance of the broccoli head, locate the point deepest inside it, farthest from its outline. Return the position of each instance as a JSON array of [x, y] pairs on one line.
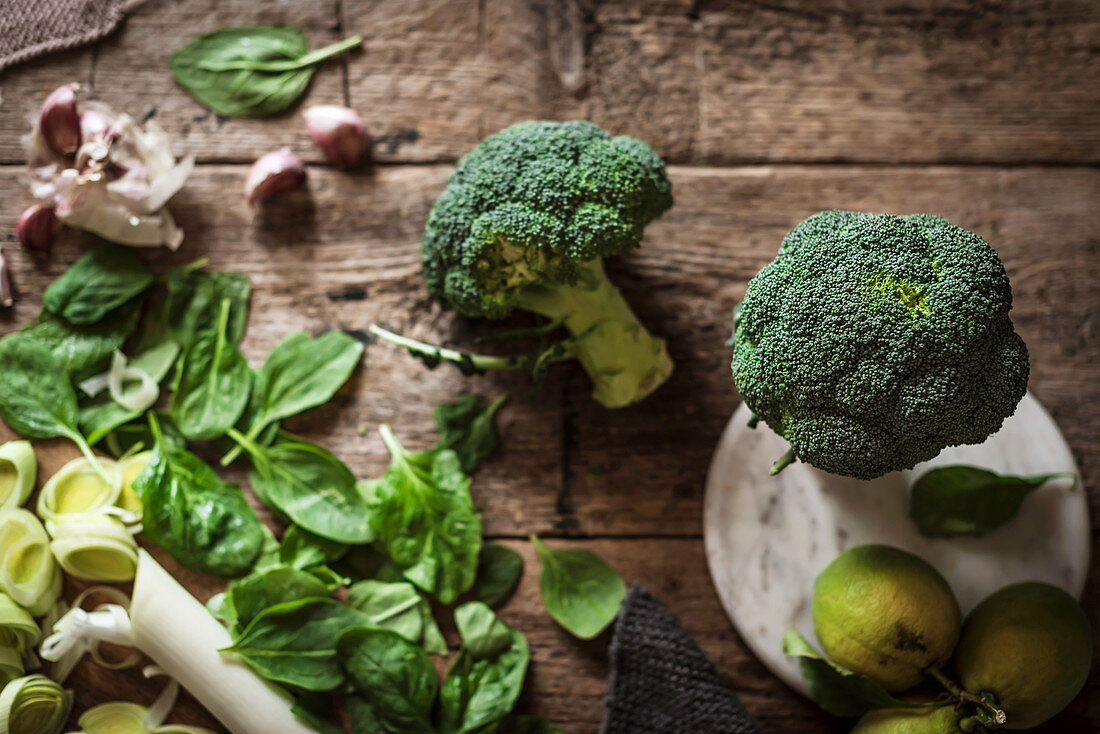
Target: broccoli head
[[525, 221], [874, 341]]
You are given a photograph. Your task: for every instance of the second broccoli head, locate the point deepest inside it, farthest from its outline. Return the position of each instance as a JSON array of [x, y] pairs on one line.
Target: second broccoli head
[[873, 341], [525, 221]]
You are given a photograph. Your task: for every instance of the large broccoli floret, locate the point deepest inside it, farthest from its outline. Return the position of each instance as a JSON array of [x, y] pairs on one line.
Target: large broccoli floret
[[525, 221], [873, 341]]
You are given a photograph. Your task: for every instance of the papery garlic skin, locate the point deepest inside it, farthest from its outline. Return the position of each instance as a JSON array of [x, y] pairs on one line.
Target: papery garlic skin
[[115, 183], [59, 120], [274, 173], [37, 229], [339, 132]]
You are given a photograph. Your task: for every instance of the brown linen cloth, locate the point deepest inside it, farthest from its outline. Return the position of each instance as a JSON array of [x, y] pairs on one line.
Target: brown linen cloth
[[30, 28]]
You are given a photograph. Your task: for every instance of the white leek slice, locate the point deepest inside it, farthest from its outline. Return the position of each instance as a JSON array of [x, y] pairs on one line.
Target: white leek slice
[[175, 630], [127, 500], [28, 572], [78, 488], [117, 717], [18, 471], [114, 380], [93, 547], [34, 705]]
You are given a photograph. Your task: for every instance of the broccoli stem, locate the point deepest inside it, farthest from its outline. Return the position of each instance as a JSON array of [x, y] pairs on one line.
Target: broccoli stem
[[782, 462], [625, 361]]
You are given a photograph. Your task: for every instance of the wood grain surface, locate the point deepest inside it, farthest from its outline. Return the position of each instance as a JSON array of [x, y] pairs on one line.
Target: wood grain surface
[[983, 112]]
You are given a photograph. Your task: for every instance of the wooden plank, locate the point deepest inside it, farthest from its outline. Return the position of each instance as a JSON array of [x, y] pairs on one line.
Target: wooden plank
[[131, 74]]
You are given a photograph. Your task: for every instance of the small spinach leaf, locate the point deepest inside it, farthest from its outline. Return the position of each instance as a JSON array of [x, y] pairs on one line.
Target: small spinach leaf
[[295, 642], [250, 71], [468, 427], [423, 516], [204, 523], [838, 690], [486, 677], [96, 284], [498, 571], [579, 589], [256, 592], [949, 501], [301, 372], [311, 486], [394, 678], [213, 382], [399, 607]]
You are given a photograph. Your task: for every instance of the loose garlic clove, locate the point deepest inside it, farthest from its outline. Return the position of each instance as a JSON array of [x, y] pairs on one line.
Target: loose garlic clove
[[59, 120], [37, 229], [273, 174], [339, 132]]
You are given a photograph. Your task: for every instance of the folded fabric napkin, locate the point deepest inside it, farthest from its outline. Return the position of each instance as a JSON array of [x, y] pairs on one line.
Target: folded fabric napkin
[[30, 28], [661, 683]]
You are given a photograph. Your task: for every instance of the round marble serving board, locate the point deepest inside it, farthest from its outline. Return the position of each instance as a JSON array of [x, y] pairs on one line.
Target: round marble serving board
[[767, 538]]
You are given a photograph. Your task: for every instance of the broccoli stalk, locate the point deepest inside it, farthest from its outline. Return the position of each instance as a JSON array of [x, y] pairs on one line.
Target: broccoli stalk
[[624, 360]]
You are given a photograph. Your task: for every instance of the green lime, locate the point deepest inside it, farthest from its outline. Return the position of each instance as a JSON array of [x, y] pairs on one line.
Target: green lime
[[1030, 646], [886, 614]]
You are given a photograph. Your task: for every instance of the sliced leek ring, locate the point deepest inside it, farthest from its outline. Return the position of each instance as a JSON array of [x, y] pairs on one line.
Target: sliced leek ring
[[117, 717], [77, 488], [93, 547], [34, 705], [18, 630], [28, 572], [11, 665], [131, 467], [18, 471]]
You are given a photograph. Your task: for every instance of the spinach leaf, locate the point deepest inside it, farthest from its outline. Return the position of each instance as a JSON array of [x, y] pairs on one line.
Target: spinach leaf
[[36, 398], [579, 590], [393, 678], [311, 486], [401, 608], [84, 350], [525, 724], [192, 301], [295, 642], [250, 71], [213, 382], [486, 677], [96, 284], [498, 571], [204, 523], [303, 549], [247, 597], [949, 501], [424, 518], [301, 372], [838, 690], [468, 427]]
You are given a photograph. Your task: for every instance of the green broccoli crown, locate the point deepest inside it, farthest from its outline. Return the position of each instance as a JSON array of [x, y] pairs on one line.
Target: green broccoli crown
[[532, 204], [873, 341]]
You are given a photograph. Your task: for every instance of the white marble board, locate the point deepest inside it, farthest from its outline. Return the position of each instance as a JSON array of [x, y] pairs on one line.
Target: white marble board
[[767, 538]]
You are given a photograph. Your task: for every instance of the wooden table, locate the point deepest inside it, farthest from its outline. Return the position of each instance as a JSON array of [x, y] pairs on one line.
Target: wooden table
[[986, 113]]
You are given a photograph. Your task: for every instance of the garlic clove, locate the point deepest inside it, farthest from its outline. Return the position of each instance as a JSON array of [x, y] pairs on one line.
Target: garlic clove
[[59, 120], [37, 229], [339, 132], [273, 174]]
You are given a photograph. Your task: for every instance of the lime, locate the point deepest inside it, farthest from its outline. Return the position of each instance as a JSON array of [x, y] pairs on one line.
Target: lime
[[1030, 646], [943, 720], [886, 614]]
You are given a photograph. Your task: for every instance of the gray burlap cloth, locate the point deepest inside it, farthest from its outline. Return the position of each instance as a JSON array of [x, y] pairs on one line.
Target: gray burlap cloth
[[30, 28], [661, 683]]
